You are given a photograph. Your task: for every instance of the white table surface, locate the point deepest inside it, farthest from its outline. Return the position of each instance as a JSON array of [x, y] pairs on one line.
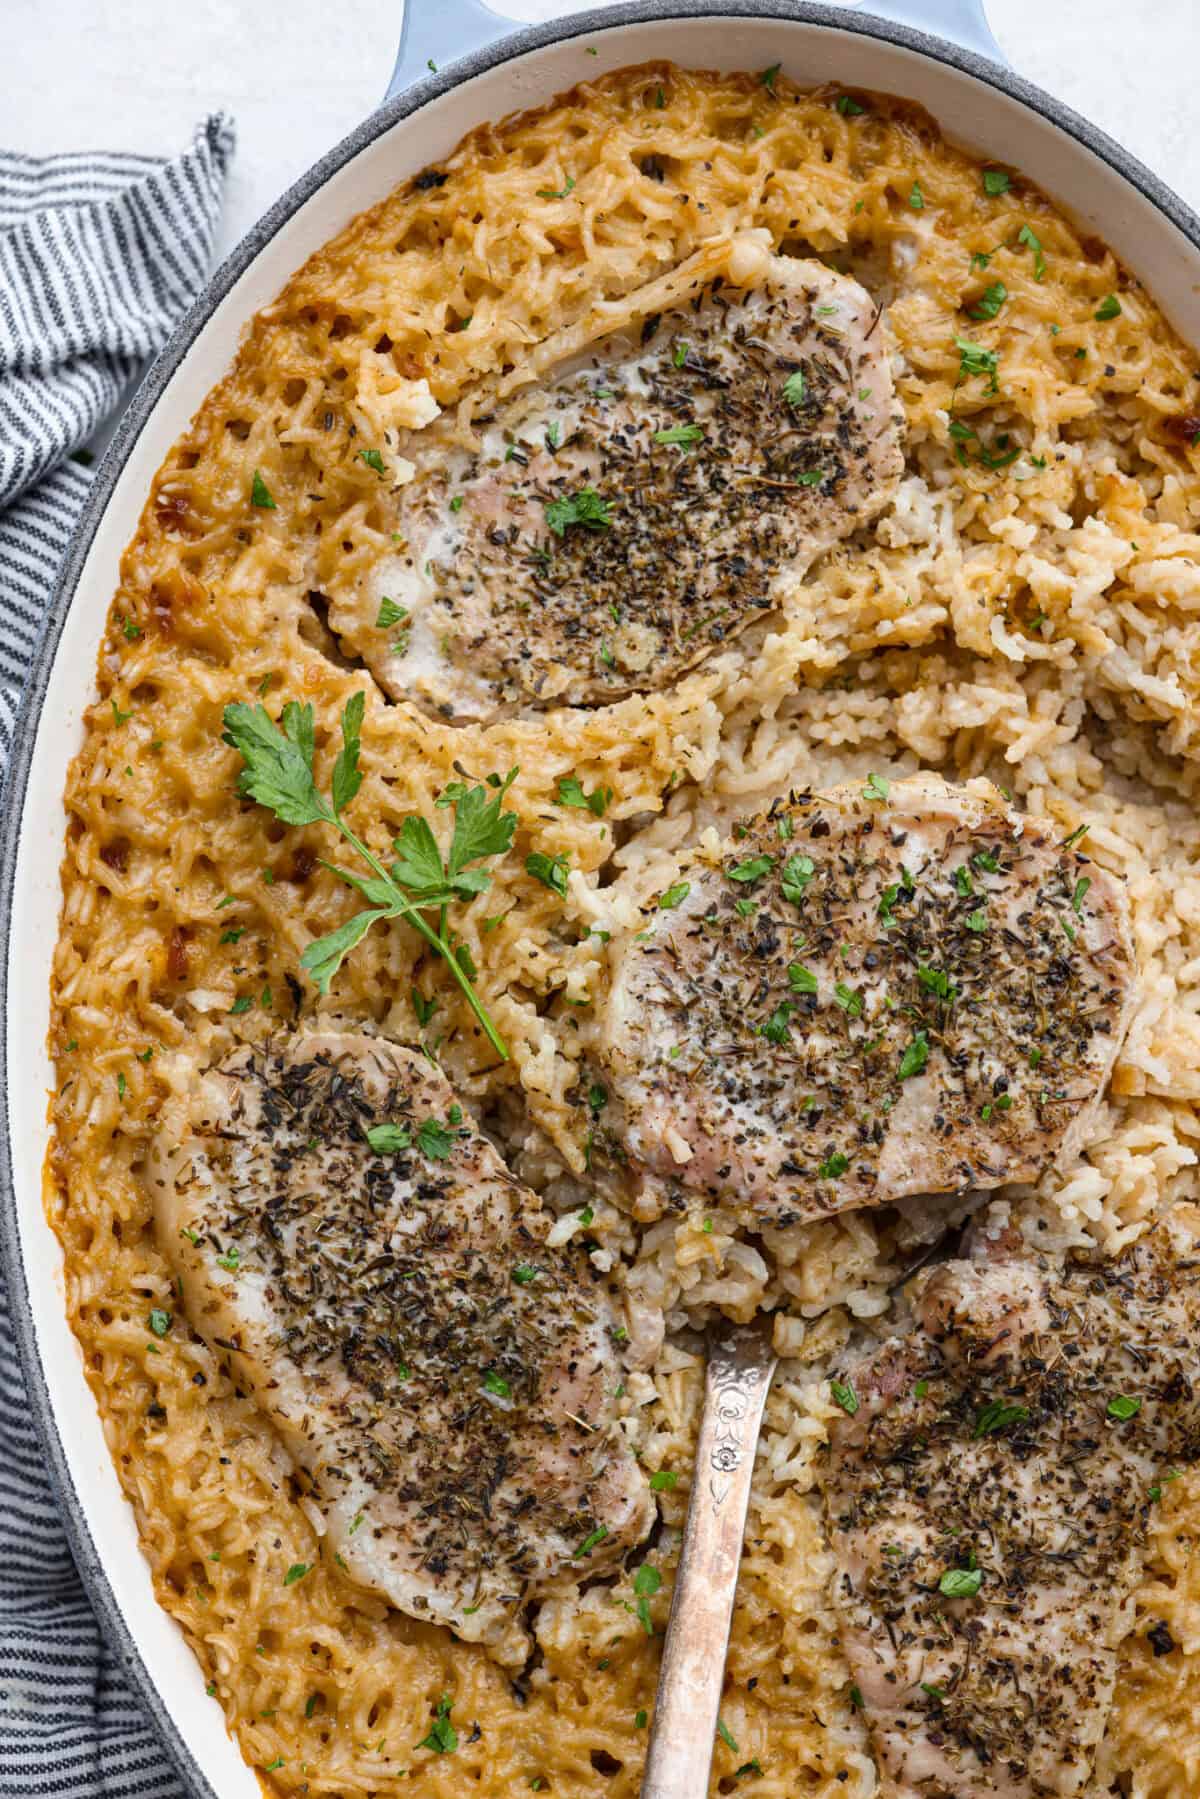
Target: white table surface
[[137, 74]]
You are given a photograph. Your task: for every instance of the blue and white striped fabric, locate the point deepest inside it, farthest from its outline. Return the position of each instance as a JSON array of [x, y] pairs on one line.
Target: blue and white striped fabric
[[99, 255]]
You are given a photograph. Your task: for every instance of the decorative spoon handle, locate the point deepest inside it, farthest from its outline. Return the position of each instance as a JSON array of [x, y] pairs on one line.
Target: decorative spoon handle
[[740, 1366]]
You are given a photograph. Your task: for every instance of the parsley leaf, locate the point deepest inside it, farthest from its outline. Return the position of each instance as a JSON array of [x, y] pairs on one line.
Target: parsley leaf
[[551, 871], [915, 1056], [996, 1416], [278, 774], [389, 614], [753, 869], [795, 876], [1122, 1407], [570, 793], [794, 388], [435, 1141], [877, 788], [996, 181], [664, 1480], [389, 1139], [685, 435], [590, 1541], [296, 1572], [373, 459], [674, 896], [1108, 308], [975, 359], [1027, 235], [585, 508], [991, 302], [961, 1583], [833, 1166], [801, 979], [844, 1395], [556, 193], [916, 198], [260, 494], [848, 107], [442, 1738]]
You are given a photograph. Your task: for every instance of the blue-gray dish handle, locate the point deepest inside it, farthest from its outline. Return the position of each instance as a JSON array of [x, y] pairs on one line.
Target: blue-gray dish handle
[[438, 32]]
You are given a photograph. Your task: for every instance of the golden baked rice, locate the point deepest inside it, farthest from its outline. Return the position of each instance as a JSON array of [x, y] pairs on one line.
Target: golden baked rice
[[1031, 616]]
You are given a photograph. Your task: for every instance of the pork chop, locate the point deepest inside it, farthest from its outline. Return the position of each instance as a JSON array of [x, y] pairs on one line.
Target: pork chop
[[873, 992], [987, 1494], [355, 1247], [639, 505]]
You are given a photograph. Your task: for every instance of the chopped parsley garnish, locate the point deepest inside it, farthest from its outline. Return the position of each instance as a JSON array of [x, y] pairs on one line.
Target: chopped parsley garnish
[[916, 198], [442, 1738], [278, 774], [551, 871], [877, 787], [777, 1028], [373, 459], [159, 1322], [849, 999], [976, 359], [684, 435], [296, 1572], [991, 301], [435, 1140], [424, 1008], [674, 896], [260, 494], [937, 981], [996, 1416], [794, 387], [920, 1390], [801, 979], [1027, 235], [768, 76], [1108, 308], [240, 1005], [795, 876], [1077, 898], [570, 793], [664, 1480], [1076, 834], [524, 1273], [833, 1166], [1122, 1407], [590, 1541], [848, 107], [934, 1692], [496, 1383], [963, 881], [389, 1139], [646, 1583], [726, 1735], [585, 508], [751, 870], [977, 920], [996, 181], [915, 1056], [844, 1395], [556, 193], [961, 1583]]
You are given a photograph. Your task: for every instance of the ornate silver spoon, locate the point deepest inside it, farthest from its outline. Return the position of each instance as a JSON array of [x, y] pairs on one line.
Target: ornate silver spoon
[[740, 1366]]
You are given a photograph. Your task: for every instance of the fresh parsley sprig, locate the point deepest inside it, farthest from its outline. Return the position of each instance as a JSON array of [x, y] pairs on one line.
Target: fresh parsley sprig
[[278, 774]]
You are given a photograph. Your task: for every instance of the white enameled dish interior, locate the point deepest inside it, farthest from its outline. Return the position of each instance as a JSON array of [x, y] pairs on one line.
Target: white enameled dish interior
[[969, 110]]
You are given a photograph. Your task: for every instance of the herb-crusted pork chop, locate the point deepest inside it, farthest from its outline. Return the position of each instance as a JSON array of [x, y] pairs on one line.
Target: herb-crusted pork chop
[[987, 1494], [640, 504], [360, 1253], [873, 992]]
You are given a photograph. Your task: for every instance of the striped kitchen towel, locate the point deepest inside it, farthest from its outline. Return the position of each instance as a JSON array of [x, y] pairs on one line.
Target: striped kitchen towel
[[99, 256]]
